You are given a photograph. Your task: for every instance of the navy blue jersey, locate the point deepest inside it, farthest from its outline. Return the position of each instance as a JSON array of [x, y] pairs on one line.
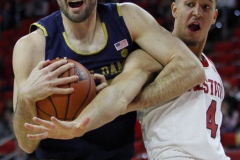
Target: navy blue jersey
[[115, 139]]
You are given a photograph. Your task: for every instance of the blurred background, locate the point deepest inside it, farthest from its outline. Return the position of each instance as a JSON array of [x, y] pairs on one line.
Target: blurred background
[[223, 48]]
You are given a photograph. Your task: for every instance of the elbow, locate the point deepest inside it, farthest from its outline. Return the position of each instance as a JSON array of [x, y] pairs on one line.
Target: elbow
[[199, 74], [202, 76], [27, 149]]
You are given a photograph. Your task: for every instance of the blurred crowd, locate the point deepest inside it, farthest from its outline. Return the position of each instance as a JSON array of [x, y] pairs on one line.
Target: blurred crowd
[[10, 15], [230, 110], [13, 11]]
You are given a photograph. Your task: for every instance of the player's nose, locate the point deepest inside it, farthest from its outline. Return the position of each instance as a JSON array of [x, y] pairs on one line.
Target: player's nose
[[197, 11]]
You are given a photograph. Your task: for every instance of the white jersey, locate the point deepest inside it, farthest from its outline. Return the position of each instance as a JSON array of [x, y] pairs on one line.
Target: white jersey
[[189, 125]]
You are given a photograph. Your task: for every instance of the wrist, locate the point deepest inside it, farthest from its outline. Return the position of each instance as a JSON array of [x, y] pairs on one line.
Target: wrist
[[25, 96], [25, 102]]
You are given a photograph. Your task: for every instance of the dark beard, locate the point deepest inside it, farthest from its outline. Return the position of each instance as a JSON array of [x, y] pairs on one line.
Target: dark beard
[[77, 18]]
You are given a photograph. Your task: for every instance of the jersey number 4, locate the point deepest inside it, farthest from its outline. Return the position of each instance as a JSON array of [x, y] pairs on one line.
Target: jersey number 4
[[211, 124]]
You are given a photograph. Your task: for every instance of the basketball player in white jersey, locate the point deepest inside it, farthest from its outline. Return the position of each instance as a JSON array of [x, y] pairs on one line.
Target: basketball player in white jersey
[[188, 127]]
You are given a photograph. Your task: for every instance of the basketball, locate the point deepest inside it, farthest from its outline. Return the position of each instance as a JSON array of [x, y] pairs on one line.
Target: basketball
[[68, 107]]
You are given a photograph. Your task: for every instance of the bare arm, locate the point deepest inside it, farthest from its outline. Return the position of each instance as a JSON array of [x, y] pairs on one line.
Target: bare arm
[[33, 81], [182, 70], [23, 111], [139, 69]]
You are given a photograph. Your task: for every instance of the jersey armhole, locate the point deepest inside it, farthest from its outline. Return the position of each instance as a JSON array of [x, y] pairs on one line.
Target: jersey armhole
[[35, 26], [119, 10]]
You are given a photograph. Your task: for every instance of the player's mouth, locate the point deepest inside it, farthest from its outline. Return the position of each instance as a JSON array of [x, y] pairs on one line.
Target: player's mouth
[[75, 4], [194, 27]]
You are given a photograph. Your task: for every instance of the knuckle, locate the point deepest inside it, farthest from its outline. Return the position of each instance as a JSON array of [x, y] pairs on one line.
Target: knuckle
[[50, 76], [49, 91], [44, 71]]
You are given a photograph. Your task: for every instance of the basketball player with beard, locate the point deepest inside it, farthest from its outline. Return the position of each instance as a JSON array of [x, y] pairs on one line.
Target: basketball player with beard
[[101, 37]]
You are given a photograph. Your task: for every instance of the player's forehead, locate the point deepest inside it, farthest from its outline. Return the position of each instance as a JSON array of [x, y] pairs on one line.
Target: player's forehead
[[209, 1]]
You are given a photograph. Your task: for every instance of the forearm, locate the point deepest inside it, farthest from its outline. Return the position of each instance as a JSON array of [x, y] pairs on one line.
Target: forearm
[[22, 115], [104, 108], [169, 84], [112, 101]]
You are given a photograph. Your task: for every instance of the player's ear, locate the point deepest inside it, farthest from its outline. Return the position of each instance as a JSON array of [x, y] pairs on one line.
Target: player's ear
[[174, 9], [215, 16]]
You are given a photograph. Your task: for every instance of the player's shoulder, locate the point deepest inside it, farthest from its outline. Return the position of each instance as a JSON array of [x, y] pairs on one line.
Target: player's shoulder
[[127, 4], [33, 38], [30, 45], [129, 7], [133, 16]]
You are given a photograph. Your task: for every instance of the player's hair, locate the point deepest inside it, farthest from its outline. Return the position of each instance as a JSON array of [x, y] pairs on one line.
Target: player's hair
[[179, 0]]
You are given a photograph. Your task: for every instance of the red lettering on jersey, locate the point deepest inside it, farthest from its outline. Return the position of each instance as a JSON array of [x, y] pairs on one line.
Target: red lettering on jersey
[[216, 88], [210, 87], [205, 87]]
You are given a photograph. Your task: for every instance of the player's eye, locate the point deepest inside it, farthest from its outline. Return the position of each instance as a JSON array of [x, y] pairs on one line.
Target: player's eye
[[206, 7], [190, 4]]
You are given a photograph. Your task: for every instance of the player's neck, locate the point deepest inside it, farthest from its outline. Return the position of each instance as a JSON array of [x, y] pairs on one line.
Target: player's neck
[[87, 36], [197, 50], [81, 31]]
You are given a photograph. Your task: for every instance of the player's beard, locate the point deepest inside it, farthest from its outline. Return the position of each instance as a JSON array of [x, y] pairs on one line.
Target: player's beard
[[79, 17]]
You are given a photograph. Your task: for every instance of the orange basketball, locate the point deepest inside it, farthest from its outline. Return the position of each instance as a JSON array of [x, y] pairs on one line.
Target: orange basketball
[[68, 107]]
